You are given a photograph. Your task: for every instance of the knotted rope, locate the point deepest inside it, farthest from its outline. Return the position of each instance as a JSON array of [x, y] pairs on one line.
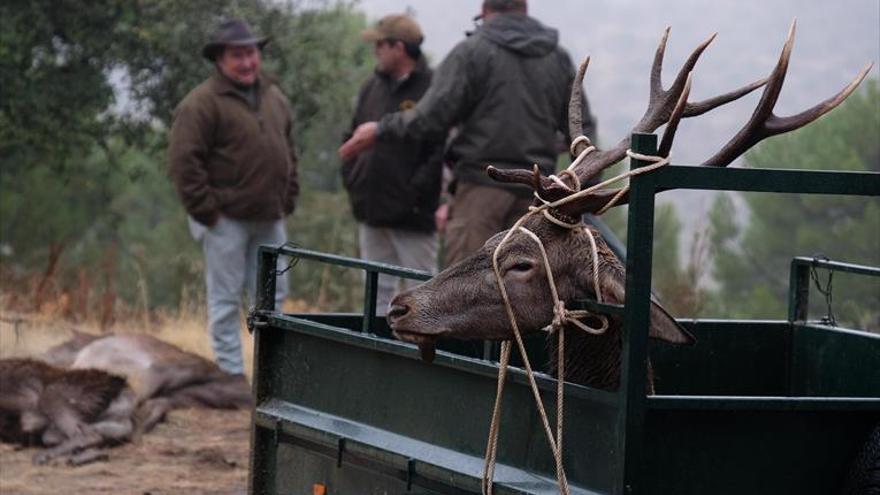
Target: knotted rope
[[561, 315]]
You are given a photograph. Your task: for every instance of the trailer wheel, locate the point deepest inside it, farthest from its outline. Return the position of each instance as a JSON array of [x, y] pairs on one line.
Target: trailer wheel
[[864, 474]]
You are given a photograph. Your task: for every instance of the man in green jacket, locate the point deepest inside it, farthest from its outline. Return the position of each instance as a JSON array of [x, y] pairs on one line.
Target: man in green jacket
[[505, 89], [232, 159]]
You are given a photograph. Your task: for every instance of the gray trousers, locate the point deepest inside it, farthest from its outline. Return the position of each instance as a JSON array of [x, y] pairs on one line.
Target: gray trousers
[[417, 250], [230, 248]]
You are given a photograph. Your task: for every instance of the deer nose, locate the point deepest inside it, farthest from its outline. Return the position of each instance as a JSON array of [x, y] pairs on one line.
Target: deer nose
[[397, 311]]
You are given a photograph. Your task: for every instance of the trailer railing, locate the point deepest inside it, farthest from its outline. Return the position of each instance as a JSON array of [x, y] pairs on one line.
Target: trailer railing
[[787, 370]]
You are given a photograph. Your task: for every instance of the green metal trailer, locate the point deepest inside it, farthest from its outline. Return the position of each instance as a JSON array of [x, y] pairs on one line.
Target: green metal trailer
[[755, 407]]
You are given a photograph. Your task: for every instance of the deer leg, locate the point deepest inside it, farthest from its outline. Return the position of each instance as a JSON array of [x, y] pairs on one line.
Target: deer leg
[[74, 433], [116, 430], [163, 380], [87, 457], [152, 412], [229, 392], [82, 446], [84, 440], [52, 437]]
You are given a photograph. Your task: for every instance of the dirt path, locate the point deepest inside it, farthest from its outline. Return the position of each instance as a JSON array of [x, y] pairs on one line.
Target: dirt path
[[194, 451]]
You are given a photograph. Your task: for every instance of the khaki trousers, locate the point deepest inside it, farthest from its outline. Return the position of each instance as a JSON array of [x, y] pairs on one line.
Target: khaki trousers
[[476, 214]]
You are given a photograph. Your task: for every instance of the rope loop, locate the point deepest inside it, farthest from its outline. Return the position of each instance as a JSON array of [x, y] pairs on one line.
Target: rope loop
[[578, 140], [561, 315]]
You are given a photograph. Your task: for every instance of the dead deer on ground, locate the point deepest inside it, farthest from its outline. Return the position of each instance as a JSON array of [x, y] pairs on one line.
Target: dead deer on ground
[[464, 302], [71, 412], [164, 377], [94, 391]]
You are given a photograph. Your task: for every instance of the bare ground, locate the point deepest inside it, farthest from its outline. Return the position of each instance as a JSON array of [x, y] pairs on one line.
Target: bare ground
[[195, 451]]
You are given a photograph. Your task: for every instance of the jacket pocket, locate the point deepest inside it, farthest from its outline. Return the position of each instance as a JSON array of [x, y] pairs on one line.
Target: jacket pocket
[[354, 174]]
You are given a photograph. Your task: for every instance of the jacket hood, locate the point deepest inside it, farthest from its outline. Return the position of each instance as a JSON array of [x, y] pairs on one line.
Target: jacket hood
[[520, 33]]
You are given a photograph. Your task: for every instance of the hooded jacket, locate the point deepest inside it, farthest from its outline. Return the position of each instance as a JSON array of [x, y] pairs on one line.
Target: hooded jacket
[[233, 157], [506, 89], [395, 184]]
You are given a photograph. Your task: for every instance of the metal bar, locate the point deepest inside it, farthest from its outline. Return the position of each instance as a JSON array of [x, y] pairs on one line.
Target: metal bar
[[262, 461], [640, 239], [761, 403], [410, 472], [400, 456], [604, 308], [798, 303], [768, 180], [798, 291], [371, 284], [340, 450], [837, 266], [267, 268], [443, 359], [354, 263]]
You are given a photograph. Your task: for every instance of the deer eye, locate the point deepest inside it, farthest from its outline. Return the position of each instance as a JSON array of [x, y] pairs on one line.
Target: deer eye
[[522, 266]]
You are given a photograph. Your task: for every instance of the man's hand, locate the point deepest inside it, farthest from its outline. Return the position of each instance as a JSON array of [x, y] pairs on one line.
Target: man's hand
[[441, 216], [363, 139]]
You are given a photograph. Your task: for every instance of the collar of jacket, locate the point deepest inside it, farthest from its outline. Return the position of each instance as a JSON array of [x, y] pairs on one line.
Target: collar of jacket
[[420, 68], [223, 85]]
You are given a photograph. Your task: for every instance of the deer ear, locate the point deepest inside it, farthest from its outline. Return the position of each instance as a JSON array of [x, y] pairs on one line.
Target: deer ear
[[663, 325]]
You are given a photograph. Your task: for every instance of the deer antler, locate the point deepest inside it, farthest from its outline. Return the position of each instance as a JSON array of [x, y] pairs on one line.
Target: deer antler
[[762, 124], [661, 104]]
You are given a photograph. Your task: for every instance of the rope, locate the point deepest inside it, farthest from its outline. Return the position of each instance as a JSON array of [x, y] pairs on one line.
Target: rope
[[826, 291], [561, 315]]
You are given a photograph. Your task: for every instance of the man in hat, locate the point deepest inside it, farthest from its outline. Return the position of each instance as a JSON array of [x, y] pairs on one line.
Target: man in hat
[[394, 188], [505, 88], [233, 163]]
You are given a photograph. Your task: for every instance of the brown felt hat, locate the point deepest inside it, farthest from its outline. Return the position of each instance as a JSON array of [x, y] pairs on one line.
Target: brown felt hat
[[234, 32], [395, 27]]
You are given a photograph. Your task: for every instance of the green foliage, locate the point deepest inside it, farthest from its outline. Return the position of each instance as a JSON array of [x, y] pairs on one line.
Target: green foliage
[[667, 251], [752, 258], [87, 97], [47, 51], [677, 277]]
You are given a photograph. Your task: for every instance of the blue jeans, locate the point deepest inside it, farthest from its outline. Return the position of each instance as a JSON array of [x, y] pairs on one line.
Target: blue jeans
[[230, 248]]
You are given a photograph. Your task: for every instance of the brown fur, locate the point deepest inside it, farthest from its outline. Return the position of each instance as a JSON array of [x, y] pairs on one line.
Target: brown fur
[[47, 405], [109, 381]]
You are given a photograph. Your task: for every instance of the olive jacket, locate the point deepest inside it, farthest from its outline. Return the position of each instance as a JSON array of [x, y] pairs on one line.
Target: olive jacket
[[230, 157]]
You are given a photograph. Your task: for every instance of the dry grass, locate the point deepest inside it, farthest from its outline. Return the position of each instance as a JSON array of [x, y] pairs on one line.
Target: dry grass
[[194, 451], [25, 334]]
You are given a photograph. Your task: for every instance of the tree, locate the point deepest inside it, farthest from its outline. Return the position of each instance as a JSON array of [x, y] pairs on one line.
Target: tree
[[87, 97], [751, 258]]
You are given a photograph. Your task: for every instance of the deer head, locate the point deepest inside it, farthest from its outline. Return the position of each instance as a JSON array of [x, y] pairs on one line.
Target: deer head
[[464, 301]]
